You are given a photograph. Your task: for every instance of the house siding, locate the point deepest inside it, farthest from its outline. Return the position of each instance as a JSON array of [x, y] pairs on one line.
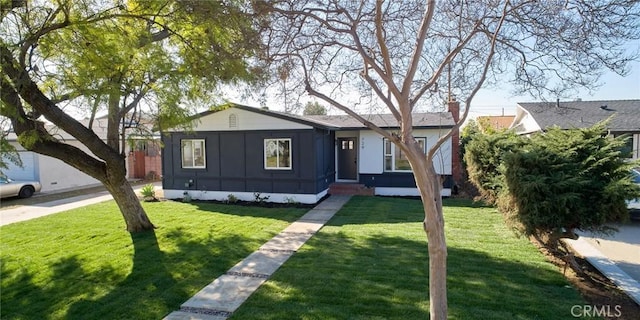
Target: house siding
[[53, 174], [244, 121], [372, 173], [234, 143], [372, 150], [235, 162], [633, 142]]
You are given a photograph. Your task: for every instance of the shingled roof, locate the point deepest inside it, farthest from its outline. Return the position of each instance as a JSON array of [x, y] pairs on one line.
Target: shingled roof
[[582, 114], [495, 122], [420, 120]]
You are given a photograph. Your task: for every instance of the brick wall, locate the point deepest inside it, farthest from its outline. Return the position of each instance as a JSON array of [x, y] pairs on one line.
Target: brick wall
[[154, 164]]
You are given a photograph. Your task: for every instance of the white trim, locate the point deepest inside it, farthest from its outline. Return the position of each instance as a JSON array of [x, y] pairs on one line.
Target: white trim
[[393, 148], [193, 154], [245, 196], [406, 192], [524, 122], [264, 149]]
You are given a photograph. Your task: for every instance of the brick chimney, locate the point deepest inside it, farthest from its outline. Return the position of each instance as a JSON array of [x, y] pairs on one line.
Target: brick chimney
[[456, 165]]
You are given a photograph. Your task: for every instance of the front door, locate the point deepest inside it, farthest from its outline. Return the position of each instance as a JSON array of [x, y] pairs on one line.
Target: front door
[[347, 159]]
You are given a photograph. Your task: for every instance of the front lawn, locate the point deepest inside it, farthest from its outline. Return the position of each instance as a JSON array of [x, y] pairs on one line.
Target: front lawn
[[82, 264], [371, 262]]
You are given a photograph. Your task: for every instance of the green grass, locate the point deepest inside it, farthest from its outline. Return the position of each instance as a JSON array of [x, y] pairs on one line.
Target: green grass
[[371, 262], [82, 264]]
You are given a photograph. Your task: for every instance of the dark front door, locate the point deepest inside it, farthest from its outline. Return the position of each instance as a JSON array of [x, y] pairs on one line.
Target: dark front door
[[347, 159]]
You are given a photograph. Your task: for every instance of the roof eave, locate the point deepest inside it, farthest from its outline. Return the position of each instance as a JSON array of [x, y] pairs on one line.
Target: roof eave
[[271, 114]]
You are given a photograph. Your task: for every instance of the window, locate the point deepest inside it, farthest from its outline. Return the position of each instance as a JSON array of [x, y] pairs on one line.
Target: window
[[347, 145], [394, 158], [193, 155], [277, 154]]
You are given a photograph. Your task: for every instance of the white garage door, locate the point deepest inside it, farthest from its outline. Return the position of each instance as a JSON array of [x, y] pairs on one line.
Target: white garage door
[[29, 170]]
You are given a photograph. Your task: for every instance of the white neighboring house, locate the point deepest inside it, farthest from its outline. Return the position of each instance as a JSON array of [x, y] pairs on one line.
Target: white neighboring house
[[55, 175], [539, 116]]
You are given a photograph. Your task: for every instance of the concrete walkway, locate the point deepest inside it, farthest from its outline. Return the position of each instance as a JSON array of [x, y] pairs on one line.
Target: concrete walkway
[[617, 256], [219, 299], [27, 212]]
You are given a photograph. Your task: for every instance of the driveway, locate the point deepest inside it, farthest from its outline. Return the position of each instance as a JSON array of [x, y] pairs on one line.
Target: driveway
[[19, 213], [622, 248], [617, 256]]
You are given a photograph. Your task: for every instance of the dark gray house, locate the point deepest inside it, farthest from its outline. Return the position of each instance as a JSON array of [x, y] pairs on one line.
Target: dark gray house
[[538, 116], [243, 151]]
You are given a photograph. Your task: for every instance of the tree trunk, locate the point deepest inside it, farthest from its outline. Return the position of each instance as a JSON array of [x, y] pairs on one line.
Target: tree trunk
[[129, 204], [429, 184], [106, 164]]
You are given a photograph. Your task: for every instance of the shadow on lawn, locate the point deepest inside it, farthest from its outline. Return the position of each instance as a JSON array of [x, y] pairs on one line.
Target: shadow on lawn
[[150, 275], [360, 273], [283, 213], [385, 277], [157, 284]]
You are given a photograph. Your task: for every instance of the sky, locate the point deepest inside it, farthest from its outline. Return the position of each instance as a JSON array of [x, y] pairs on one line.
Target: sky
[[499, 101], [614, 87]]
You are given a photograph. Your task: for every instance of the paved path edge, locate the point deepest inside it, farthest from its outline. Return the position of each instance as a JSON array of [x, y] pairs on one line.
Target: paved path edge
[[220, 298], [620, 278]]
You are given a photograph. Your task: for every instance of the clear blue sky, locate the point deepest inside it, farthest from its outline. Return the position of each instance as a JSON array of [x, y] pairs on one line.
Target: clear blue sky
[[614, 87], [496, 101]]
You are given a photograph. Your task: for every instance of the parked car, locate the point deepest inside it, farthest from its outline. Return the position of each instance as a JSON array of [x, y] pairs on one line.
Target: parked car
[[22, 189]]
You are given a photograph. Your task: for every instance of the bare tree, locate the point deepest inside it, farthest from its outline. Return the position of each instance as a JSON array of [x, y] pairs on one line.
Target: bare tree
[[406, 54]]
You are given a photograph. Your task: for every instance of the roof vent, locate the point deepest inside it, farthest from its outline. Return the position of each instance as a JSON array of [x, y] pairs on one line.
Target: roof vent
[[233, 120], [603, 107]]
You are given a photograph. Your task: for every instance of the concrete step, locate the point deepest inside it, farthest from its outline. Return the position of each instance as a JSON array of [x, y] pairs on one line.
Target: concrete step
[[350, 189]]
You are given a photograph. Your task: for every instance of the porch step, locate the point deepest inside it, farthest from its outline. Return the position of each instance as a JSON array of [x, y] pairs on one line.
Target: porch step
[[351, 189]]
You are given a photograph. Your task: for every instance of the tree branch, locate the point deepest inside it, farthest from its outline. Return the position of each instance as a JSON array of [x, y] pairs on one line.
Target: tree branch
[[415, 58], [45, 143], [445, 62], [350, 112], [477, 87], [29, 91], [380, 36]]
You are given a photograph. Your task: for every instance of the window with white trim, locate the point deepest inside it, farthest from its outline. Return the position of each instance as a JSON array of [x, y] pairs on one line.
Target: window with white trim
[[395, 160], [193, 153], [277, 154]]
